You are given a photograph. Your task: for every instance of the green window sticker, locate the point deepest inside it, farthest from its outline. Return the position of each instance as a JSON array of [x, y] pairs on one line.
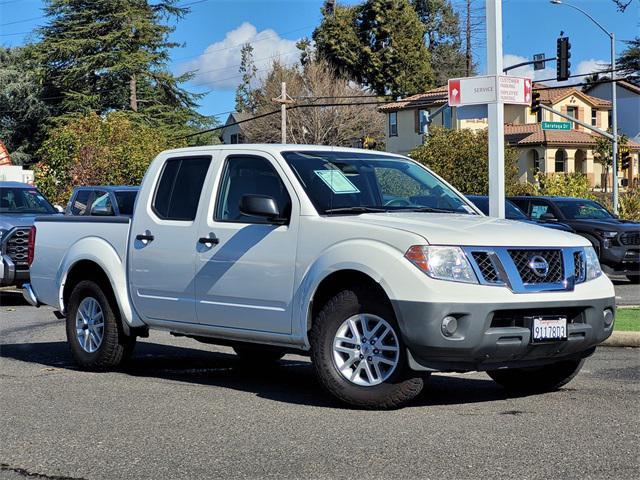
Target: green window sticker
[[337, 181]]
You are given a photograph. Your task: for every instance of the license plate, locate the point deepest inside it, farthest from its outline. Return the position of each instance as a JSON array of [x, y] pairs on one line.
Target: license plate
[[545, 329]]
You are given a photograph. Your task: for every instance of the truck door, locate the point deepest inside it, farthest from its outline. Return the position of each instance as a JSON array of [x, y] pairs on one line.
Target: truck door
[[245, 273], [163, 241]]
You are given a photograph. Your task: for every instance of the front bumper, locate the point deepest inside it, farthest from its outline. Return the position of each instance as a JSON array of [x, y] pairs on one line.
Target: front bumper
[[9, 274], [490, 335], [624, 260]]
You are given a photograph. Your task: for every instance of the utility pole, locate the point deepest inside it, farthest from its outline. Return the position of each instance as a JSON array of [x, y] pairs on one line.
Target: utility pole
[[283, 100], [469, 60], [614, 121], [495, 111]]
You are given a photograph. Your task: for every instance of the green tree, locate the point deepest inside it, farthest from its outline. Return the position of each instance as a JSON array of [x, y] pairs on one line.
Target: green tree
[[105, 55], [23, 113], [629, 60], [379, 43], [443, 37], [462, 157], [245, 93], [95, 150]]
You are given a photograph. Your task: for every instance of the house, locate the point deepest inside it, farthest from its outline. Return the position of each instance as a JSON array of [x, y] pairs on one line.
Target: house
[[628, 97], [233, 133], [539, 150]]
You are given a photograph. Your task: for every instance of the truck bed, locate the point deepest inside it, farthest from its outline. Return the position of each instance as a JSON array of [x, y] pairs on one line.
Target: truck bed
[[62, 240]]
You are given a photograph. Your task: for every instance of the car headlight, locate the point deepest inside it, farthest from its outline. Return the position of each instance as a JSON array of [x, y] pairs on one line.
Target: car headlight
[[593, 264], [442, 263]]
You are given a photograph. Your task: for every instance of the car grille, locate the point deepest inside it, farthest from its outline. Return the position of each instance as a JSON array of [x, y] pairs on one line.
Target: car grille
[[523, 259], [17, 246], [522, 317], [579, 267], [630, 238], [486, 266]]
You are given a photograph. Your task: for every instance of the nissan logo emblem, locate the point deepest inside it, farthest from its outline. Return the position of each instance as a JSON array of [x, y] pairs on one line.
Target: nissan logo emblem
[[539, 266]]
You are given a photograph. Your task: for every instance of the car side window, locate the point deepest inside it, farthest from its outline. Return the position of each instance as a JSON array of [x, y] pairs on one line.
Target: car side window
[[80, 202], [249, 175], [539, 208], [101, 200], [179, 189]]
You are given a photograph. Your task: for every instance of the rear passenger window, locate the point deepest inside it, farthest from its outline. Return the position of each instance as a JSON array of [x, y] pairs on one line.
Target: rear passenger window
[[80, 202], [178, 192], [538, 209]]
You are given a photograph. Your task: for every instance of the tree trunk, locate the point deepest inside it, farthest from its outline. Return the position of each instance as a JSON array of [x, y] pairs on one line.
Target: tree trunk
[[469, 59], [133, 95]]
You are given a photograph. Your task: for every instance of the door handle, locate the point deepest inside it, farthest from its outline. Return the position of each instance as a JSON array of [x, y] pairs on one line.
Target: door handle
[[209, 241], [146, 237]]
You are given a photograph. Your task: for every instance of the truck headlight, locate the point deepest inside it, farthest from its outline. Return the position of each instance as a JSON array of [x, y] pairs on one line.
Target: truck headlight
[[605, 234], [593, 264], [442, 263]]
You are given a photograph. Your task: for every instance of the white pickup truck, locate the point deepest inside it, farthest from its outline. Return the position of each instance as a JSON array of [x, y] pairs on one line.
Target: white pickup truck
[[367, 261]]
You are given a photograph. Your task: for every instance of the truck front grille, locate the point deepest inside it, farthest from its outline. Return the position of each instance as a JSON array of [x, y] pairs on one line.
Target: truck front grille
[[630, 238], [487, 268], [522, 317], [16, 247], [579, 267], [525, 261]]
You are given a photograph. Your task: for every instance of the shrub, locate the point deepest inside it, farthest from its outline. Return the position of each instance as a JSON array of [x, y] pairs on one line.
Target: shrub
[[94, 150], [563, 185], [461, 157]]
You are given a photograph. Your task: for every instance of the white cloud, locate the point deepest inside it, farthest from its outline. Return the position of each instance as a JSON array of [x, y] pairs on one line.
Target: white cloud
[[549, 72], [217, 67], [590, 66]]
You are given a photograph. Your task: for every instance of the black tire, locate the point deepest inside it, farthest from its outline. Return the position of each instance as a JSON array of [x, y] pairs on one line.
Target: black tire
[[258, 354], [402, 386], [115, 347], [537, 379], [634, 278]]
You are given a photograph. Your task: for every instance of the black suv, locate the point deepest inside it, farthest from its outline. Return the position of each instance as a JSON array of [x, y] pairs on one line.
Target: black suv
[[616, 241]]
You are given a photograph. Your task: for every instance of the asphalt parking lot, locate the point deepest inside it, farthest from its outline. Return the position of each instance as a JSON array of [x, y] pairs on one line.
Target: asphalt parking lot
[[182, 409]]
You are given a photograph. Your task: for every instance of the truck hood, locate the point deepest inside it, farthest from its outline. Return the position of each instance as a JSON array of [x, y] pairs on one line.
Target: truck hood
[[7, 222], [472, 230]]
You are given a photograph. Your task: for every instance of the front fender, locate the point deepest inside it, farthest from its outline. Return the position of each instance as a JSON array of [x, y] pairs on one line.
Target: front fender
[[384, 264], [105, 255]]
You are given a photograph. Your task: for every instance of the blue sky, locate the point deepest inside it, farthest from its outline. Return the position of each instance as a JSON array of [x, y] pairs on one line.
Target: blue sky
[[215, 30]]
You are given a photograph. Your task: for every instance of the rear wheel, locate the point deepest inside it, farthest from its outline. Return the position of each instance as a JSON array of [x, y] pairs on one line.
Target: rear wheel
[[358, 353], [537, 379], [94, 335]]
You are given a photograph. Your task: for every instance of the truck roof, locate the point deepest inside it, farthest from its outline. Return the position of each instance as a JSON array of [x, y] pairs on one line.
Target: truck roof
[[15, 185], [275, 148], [109, 188]]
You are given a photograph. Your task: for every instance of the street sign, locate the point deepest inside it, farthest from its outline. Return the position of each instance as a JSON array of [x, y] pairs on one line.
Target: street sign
[[489, 89], [556, 125], [539, 61]]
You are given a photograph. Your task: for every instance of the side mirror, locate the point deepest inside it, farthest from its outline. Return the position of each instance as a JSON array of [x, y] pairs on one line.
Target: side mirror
[[261, 206], [102, 210], [58, 208], [548, 217]]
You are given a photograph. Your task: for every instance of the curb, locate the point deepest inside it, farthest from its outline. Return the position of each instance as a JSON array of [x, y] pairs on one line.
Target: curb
[[623, 339]]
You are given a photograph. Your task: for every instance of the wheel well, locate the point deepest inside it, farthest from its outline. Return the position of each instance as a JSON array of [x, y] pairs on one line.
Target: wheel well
[[87, 270], [338, 281]]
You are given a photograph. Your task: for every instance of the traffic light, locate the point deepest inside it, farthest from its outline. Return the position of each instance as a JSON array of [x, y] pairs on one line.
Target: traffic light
[[563, 64], [535, 102], [626, 160]]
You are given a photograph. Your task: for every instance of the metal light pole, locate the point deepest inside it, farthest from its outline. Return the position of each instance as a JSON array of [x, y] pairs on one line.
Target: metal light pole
[[614, 111]]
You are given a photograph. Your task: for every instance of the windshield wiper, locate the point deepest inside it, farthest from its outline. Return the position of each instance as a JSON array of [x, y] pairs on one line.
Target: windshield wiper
[[433, 210], [356, 210]]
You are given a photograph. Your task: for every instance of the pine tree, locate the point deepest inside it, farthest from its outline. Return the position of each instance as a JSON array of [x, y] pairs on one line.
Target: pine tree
[[379, 43], [245, 94], [629, 61], [443, 38], [105, 55]]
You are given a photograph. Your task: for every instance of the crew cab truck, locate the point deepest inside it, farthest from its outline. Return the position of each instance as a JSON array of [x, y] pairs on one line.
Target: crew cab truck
[[373, 265]]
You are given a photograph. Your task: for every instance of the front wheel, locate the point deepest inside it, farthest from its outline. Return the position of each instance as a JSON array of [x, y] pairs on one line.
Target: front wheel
[[94, 336], [537, 379], [358, 353]]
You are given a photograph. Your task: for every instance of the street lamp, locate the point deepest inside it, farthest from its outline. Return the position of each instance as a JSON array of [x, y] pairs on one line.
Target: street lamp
[[614, 126]]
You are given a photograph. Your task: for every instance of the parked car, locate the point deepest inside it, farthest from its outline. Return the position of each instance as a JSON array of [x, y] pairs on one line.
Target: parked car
[[512, 212], [616, 241], [103, 201], [368, 261], [19, 205]]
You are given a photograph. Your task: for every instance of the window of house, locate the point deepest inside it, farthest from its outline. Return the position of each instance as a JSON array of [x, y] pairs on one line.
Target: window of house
[[178, 192], [609, 119], [393, 124], [537, 165], [236, 138], [594, 117], [249, 175], [561, 161], [423, 115], [573, 112]]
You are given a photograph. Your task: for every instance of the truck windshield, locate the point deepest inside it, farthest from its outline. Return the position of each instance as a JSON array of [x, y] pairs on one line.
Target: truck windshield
[[23, 200], [583, 209], [354, 182]]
